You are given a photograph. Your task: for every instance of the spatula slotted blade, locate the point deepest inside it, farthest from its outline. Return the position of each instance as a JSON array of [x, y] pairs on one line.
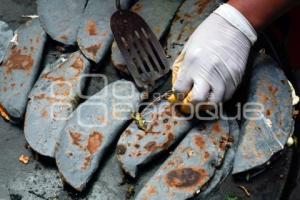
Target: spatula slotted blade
[[145, 58]]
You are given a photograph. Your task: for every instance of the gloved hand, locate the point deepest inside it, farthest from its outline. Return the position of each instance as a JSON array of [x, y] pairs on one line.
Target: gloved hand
[[212, 63]]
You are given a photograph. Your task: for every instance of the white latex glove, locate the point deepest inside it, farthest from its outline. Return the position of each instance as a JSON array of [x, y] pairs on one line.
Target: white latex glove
[[213, 61]]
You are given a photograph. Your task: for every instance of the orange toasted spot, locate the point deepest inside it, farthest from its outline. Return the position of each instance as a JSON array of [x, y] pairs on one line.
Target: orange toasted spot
[[4, 113], [94, 142], [92, 28], [18, 61]]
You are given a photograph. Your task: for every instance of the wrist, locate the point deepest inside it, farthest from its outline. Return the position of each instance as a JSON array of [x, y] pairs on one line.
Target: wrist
[[262, 12], [247, 10], [237, 20]]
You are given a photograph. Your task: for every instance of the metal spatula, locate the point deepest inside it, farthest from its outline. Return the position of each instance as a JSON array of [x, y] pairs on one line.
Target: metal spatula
[[145, 58]]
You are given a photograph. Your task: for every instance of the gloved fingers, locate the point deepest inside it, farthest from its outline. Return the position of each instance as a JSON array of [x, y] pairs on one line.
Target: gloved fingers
[[217, 91], [226, 72], [200, 91], [215, 97], [229, 84], [223, 75], [182, 85], [198, 81], [229, 93]]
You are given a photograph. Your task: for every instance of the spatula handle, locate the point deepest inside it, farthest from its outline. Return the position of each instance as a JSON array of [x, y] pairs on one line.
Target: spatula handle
[[118, 5]]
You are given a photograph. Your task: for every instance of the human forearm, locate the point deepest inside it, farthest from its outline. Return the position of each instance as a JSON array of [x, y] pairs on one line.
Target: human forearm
[[262, 12]]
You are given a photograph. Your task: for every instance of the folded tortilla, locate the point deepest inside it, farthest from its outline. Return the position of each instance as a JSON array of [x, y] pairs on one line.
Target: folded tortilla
[[52, 100], [91, 130], [20, 69]]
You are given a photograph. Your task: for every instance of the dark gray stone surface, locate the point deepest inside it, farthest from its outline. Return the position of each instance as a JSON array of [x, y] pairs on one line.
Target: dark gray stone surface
[[12, 11]]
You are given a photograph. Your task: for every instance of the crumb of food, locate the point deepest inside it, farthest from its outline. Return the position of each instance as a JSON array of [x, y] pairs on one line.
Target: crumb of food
[[3, 113], [130, 192], [24, 159], [190, 153], [232, 198], [295, 98], [14, 40], [246, 191], [172, 99], [291, 142], [140, 122], [26, 146], [30, 16], [269, 122]]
